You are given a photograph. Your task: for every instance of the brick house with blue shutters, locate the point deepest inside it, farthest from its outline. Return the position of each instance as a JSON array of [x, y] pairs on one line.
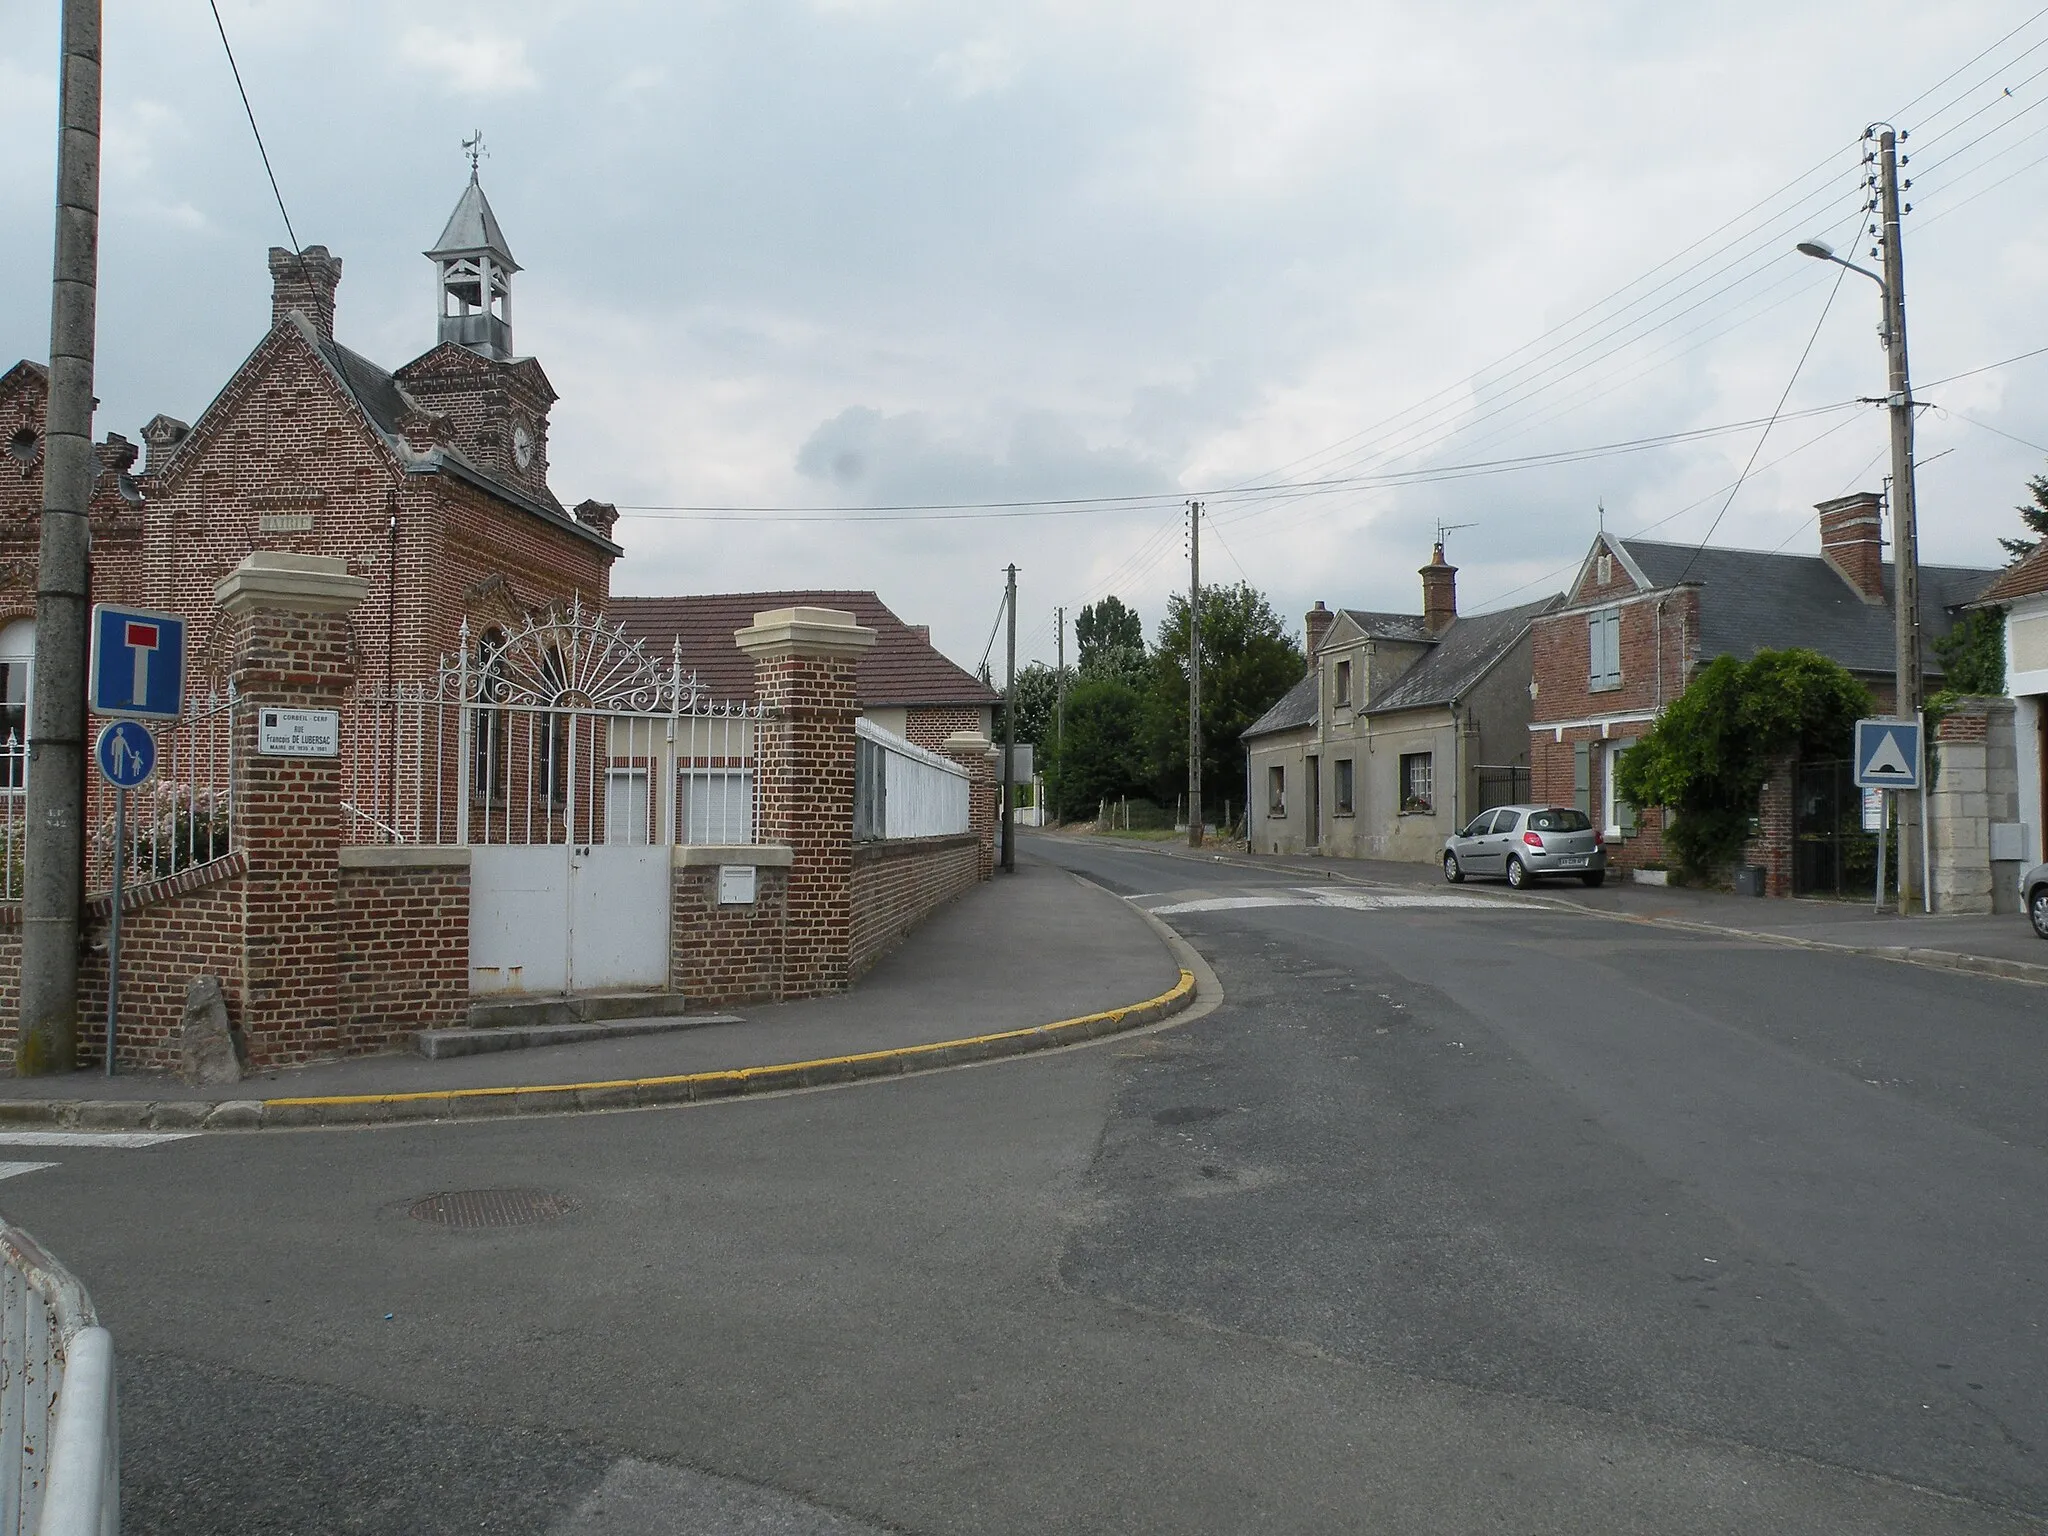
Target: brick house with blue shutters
[[1642, 617]]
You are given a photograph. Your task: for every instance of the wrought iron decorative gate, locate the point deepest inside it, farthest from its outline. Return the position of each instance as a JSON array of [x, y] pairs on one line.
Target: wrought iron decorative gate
[[569, 761]]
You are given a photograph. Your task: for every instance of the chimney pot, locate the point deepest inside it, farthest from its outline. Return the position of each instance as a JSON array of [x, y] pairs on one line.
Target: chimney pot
[[1852, 542], [1439, 593], [305, 282]]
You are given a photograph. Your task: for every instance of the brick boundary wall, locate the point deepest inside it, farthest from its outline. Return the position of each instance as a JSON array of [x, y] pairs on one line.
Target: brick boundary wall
[[898, 884], [722, 955], [402, 947], [173, 931], [1772, 846]]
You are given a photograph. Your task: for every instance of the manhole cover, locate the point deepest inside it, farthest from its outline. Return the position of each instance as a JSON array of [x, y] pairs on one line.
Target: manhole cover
[[473, 1208]]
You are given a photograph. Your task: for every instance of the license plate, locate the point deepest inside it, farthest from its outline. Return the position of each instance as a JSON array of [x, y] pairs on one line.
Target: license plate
[[1573, 863]]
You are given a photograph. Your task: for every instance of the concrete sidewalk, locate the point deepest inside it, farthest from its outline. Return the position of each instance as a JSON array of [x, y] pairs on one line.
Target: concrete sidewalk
[[1996, 946], [1027, 951]]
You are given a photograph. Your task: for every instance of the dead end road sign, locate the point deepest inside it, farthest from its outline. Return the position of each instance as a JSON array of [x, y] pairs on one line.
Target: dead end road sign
[[1888, 754]]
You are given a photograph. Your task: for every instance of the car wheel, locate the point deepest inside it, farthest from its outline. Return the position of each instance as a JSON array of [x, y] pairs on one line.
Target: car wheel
[[1518, 873], [1597, 877], [2037, 909], [1453, 870]]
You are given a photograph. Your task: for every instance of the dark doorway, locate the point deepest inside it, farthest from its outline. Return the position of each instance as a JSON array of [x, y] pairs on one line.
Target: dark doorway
[[1315, 802], [1831, 853]]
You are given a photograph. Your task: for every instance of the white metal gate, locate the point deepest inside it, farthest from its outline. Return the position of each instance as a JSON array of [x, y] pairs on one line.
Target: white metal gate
[[569, 761]]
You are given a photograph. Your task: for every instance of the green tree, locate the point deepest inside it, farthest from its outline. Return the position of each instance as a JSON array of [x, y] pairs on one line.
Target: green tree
[[1038, 690], [2035, 515], [1973, 655], [1248, 661], [1709, 753], [1109, 641], [1104, 753]]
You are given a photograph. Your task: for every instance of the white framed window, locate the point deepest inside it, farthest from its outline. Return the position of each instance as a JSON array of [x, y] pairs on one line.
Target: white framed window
[[1617, 816], [1418, 774], [1276, 791], [1344, 786], [17, 669], [1603, 645], [1343, 683]]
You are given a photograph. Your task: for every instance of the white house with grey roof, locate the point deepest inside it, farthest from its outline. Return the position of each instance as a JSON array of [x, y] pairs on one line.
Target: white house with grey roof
[[1404, 727]]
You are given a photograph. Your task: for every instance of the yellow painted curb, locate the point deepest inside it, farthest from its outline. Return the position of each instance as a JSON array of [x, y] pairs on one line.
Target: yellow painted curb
[[792, 1073]]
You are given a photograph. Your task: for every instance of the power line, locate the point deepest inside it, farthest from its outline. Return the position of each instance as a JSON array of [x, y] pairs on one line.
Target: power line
[[1797, 368], [250, 111]]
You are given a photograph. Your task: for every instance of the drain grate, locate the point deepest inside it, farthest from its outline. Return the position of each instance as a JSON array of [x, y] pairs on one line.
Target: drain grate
[[473, 1209]]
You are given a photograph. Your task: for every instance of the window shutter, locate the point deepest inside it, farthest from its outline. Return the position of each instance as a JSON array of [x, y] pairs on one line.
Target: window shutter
[[1596, 640], [1614, 646], [1582, 775]]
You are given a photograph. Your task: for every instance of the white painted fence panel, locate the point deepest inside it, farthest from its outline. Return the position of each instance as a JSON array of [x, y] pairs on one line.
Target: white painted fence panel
[[901, 790]]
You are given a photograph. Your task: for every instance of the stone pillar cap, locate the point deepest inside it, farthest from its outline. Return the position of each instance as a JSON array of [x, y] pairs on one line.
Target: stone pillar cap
[[804, 631], [969, 744], [271, 578]]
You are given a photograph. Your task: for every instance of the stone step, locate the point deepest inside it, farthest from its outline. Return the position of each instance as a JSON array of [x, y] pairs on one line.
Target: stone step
[[438, 1044], [578, 1008]]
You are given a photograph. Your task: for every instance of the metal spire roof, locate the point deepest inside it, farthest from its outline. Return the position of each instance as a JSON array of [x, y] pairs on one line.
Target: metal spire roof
[[473, 228]]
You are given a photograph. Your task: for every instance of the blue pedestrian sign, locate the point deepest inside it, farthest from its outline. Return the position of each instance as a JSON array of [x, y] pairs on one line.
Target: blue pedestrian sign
[[138, 663], [126, 753], [1888, 754]]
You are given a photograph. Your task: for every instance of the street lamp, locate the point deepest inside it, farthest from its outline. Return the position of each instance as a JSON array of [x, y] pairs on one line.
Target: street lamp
[[1905, 539]]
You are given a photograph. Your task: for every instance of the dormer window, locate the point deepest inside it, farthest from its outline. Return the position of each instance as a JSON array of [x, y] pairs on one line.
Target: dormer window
[[1344, 684]]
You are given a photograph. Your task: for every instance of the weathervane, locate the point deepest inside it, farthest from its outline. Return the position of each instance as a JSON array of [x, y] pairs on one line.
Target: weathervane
[[1443, 528], [474, 147]]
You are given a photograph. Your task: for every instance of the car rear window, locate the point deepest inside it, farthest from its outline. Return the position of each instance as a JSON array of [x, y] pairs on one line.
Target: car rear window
[[1560, 821]]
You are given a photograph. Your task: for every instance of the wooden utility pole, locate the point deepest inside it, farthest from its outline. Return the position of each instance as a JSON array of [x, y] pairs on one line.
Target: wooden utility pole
[[53, 891], [1059, 730], [1010, 729], [1194, 674], [1905, 531]]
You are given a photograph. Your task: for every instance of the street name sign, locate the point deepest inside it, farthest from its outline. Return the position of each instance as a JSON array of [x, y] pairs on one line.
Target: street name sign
[[1888, 754], [298, 732], [138, 663], [126, 753]]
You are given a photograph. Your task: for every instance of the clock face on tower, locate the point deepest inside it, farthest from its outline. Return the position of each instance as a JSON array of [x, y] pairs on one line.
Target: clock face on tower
[[522, 447]]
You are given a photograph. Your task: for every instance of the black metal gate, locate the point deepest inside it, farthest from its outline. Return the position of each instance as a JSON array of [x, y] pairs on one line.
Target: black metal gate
[[1831, 853], [1501, 785]]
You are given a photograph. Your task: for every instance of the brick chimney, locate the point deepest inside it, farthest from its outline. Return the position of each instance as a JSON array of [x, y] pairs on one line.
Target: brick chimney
[[1439, 593], [1315, 626], [600, 515], [305, 282], [1852, 541]]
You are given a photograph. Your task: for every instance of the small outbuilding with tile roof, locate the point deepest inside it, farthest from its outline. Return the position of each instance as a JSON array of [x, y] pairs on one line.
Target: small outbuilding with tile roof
[[1405, 726], [907, 685]]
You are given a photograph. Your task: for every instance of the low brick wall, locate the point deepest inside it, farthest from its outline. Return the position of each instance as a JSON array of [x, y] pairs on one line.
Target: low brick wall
[[402, 943], [897, 884], [722, 955], [172, 930]]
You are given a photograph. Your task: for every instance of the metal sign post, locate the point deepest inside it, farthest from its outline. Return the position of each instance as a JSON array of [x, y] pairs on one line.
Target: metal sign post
[[126, 755], [1890, 756], [1884, 816]]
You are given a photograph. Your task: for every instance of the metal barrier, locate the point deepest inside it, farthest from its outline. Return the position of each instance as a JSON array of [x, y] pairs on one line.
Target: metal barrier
[[901, 790], [60, 1456]]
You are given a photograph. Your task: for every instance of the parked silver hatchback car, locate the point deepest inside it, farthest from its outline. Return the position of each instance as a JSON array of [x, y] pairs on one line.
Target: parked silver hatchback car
[[2034, 896], [1522, 843]]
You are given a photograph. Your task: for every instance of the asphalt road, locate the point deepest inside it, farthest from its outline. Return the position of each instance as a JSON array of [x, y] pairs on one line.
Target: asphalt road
[[1451, 1218]]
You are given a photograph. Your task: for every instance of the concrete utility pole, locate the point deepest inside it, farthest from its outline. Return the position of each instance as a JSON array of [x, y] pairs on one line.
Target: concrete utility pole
[[1059, 676], [1194, 674], [1905, 530], [1010, 730], [54, 876]]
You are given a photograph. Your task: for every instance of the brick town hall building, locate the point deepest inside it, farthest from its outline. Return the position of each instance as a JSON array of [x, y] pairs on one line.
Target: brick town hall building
[[431, 480]]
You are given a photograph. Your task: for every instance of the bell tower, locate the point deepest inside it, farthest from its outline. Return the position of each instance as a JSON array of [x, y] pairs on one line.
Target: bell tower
[[473, 269]]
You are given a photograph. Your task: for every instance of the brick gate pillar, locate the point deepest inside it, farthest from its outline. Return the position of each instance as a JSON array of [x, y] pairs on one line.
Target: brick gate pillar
[[287, 620], [803, 775], [977, 754]]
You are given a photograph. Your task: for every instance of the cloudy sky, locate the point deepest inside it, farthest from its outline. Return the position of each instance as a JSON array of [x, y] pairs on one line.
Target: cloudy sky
[[882, 253]]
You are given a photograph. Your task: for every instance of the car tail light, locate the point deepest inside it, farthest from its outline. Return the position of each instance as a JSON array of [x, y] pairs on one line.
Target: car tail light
[[1599, 839], [1534, 840]]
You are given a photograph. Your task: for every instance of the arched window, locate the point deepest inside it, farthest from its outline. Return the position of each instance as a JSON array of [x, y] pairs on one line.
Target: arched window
[[487, 768], [17, 666]]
